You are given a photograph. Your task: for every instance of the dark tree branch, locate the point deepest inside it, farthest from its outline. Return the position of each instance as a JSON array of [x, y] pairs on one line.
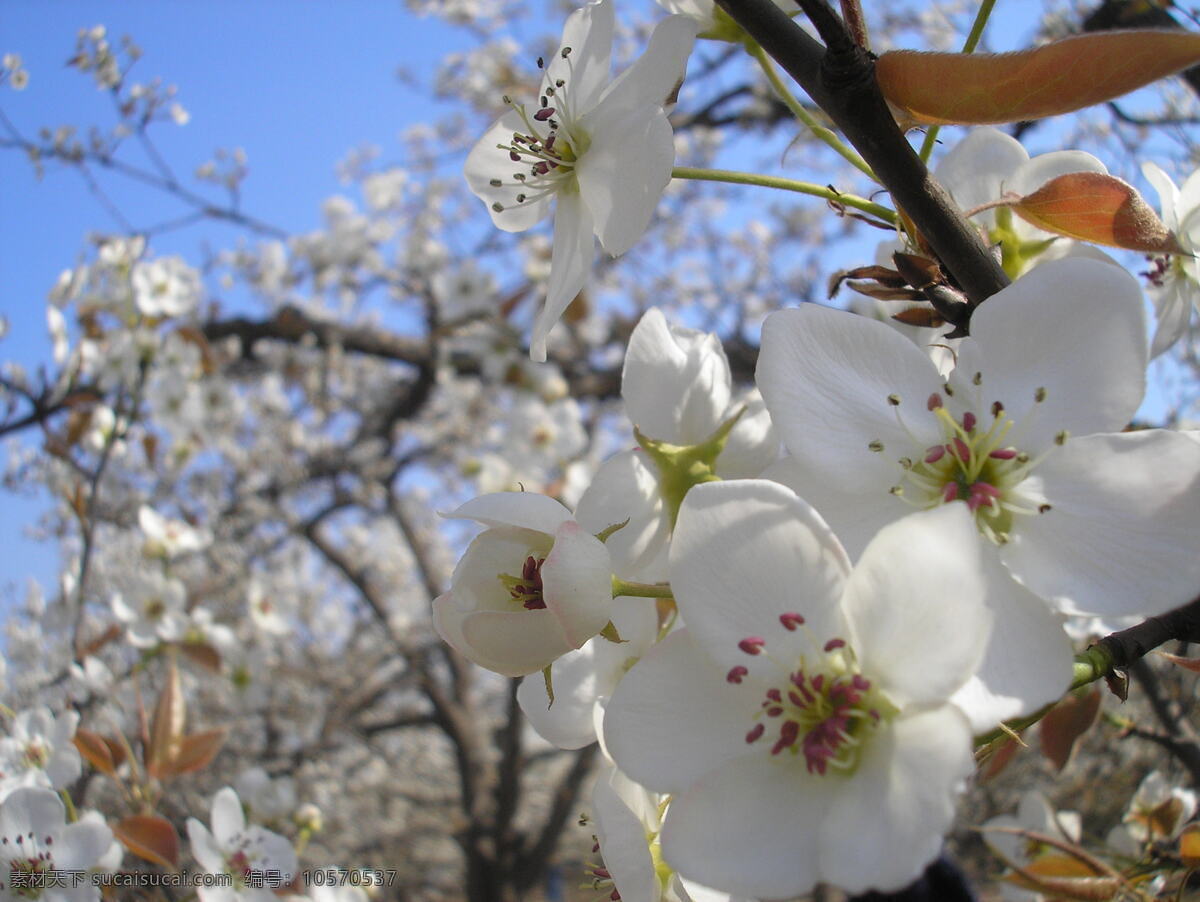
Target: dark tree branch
[[1130, 645], [842, 82]]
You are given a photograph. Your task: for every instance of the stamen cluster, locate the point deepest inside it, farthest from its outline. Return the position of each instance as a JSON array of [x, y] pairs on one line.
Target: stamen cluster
[[825, 712], [526, 590], [973, 465]]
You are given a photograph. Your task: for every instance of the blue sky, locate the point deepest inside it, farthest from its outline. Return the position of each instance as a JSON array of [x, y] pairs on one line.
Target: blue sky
[[295, 84]]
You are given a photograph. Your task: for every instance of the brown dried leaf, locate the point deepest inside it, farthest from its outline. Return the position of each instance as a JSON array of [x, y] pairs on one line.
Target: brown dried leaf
[[150, 837], [1059, 77], [999, 759], [1066, 722], [112, 633], [925, 317], [1099, 208]]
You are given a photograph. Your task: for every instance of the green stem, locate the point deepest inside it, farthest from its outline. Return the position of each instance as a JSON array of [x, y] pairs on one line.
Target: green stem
[[797, 109], [1091, 665], [981, 18], [69, 804], [771, 181], [640, 590]]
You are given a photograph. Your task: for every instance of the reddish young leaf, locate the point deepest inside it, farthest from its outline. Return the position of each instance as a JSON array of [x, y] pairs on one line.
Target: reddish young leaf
[[1066, 722], [1099, 208], [1060, 77], [194, 753], [95, 750], [150, 837]]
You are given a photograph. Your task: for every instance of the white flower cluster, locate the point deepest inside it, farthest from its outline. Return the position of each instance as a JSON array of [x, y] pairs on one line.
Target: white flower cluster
[[846, 615]]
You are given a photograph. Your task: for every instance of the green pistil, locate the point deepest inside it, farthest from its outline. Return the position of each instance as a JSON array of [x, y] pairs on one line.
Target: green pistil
[[1015, 254], [682, 466]]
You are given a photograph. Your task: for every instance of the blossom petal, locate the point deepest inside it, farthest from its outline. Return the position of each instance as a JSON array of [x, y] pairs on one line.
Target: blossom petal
[[891, 813], [513, 643], [826, 376], [774, 815], [82, 844], [589, 33], [854, 517], [527, 510], [753, 444], [917, 582], [502, 550], [1073, 327], [570, 262], [577, 583], [567, 723], [31, 809], [1168, 194], [624, 172], [975, 169], [623, 844], [745, 552], [204, 847], [675, 382], [488, 163], [673, 717], [228, 819], [626, 487], [1010, 684], [654, 76], [1173, 309], [1120, 537]]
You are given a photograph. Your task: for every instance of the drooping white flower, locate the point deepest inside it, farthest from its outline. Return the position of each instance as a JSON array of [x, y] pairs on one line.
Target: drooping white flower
[[1175, 279], [1024, 432], [165, 287], [802, 720], [256, 860], [530, 588], [41, 855], [38, 751], [677, 389], [603, 151]]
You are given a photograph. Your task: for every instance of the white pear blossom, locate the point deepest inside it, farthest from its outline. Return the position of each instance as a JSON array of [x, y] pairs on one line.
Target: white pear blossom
[[152, 609], [168, 538], [167, 286], [256, 860], [603, 151], [42, 856], [677, 388], [802, 720], [530, 588], [1025, 432], [1175, 279], [38, 751]]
